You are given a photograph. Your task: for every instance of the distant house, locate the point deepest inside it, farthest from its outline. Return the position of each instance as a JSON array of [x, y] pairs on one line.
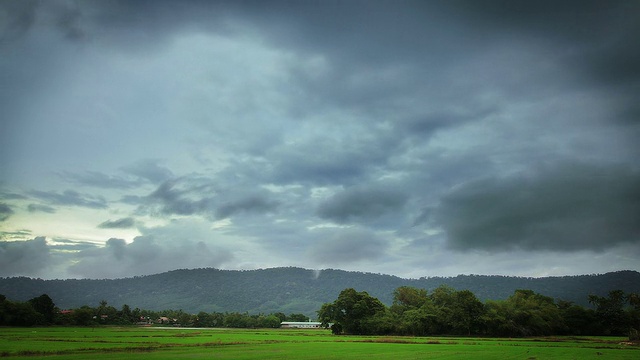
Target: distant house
[[300, 325], [164, 320]]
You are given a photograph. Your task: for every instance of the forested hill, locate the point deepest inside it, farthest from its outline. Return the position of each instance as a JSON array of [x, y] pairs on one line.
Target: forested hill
[[290, 290]]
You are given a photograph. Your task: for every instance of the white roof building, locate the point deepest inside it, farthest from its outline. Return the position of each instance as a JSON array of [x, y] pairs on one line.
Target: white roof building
[[301, 324]]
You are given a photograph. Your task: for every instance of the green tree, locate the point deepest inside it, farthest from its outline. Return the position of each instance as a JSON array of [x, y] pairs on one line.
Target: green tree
[[443, 299], [102, 309], [83, 316], [281, 316], [633, 313], [204, 319], [466, 312], [413, 312], [525, 313], [381, 323], [4, 310], [408, 298], [126, 315], [351, 312], [22, 314], [217, 319], [326, 316], [270, 321], [610, 312], [578, 320], [236, 320], [535, 313], [45, 306], [417, 322], [297, 317], [185, 319], [498, 319]]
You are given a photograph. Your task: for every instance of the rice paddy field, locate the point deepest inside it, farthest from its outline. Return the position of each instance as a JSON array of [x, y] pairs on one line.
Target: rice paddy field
[[181, 343]]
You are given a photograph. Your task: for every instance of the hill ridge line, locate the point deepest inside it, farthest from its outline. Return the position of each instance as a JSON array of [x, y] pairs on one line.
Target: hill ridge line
[[292, 289]]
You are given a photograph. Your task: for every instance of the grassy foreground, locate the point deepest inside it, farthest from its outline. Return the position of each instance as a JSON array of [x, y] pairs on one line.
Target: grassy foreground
[[173, 343]]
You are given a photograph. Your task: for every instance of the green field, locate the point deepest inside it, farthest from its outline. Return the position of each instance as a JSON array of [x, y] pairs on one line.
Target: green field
[[172, 343]]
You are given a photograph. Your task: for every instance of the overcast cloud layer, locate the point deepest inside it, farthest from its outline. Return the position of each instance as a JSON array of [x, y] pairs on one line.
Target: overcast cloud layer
[[426, 138]]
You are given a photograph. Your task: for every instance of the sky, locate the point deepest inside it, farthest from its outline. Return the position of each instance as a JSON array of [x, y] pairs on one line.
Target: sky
[[412, 138]]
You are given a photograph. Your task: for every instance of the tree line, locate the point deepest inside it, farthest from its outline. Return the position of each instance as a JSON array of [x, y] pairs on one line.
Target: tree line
[[291, 289], [41, 311], [446, 311], [416, 312]]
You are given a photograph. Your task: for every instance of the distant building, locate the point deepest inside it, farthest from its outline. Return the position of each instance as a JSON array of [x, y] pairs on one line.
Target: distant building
[[165, 320], [300, 325]]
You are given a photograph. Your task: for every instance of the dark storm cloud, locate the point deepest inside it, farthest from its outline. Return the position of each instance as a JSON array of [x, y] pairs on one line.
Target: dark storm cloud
[[426, 47], [137, 174], [327, 160], [68, 19], [356, 32], [568, 207], [71, 198], [24, 258], [357, 204], [357, 29], [142, 23], [420, 128], [40, 208], [124, 223], [17, 18], [301, 110], [133, 199], [5, 211], [346, 246], [116, 247], [100, 180], [572, 19], [202, 196], [183, 196], [595, 38], [250, 204], [149, 170], [145, 255], [414, 37], [11, 196], [318, 168]]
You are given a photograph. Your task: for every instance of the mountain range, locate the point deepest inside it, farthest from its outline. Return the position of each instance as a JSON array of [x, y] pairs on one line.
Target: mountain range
[[290, 289]]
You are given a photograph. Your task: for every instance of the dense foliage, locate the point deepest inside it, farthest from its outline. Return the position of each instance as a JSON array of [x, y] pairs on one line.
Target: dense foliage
[[292, 290], [37, 311], [417, 312], [446, 311], [42, 311], [352, 312]]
